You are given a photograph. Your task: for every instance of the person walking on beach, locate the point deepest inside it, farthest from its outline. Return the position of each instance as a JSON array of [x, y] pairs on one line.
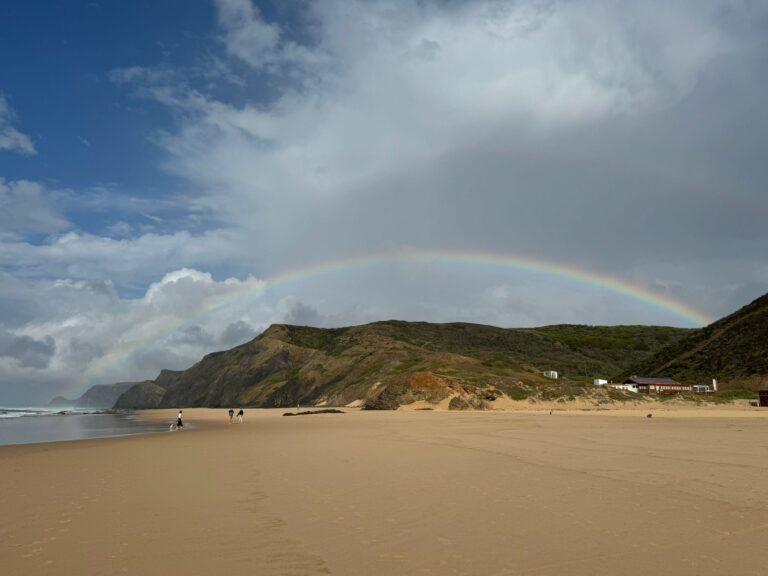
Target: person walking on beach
[[240, 416], [231, 415], [179, 423]]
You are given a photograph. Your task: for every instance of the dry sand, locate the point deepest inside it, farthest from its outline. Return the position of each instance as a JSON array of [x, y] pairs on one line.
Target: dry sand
[[396, 493]]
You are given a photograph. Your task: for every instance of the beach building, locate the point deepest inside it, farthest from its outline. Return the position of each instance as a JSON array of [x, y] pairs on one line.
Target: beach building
[[622, 386], [657, 385], [600, 382], [702, 388], [550, 374]]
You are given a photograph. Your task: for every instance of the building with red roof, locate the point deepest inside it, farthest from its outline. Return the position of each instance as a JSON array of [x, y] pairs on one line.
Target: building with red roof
[[657, 385]]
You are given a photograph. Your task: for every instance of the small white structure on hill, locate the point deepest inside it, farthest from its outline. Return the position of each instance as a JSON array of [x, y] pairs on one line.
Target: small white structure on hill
[[600, 382], [705, 388], [624, 386], [550, 374]]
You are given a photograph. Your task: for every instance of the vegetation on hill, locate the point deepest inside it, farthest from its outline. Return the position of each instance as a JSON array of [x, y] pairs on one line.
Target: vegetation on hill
[[612, 346]]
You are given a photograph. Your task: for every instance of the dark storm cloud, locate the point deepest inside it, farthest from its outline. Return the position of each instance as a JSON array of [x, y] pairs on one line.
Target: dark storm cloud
[[195, 335], [237, 333], [301, 314], [28, 352]]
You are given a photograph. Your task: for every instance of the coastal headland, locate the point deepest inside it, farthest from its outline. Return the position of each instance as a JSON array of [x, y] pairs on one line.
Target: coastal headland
[[397, 492]]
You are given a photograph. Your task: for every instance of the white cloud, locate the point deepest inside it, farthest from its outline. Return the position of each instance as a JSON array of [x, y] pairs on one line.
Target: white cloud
[[377, 107], [247, 36], [260, 44], [10, 138], [129, 262], [28, 207]]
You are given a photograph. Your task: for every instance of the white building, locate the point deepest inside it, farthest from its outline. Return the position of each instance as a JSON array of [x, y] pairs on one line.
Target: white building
[[627, 387], [600, 382], [550, 374]]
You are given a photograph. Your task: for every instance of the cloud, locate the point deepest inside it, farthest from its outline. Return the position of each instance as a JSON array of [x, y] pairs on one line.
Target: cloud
[[236, 333], [260, 44], [380, 110], [129, 262], [470, 124], [26, 351], [28, 207], [302, 314], [10, 138], [247, 36]]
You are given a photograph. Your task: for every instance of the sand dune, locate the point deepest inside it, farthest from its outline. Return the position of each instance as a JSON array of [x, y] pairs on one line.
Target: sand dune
[[385, 493]]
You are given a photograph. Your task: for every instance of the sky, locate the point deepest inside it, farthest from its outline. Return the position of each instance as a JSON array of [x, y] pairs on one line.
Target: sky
[[176, 175]]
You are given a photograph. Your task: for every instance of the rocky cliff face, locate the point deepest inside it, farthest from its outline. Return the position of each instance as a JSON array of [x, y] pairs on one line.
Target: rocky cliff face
[[167, 378], [386, 364], [141, 396]]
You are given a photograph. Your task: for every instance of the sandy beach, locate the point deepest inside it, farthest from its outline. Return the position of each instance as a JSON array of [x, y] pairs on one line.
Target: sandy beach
[[394, 493]]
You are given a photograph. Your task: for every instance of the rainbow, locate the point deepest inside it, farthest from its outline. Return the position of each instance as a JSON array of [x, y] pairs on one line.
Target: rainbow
[[571, 273], [453, 257]]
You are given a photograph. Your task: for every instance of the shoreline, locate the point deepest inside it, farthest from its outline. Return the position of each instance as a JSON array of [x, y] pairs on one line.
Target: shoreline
[[205, 418], [72, 427]]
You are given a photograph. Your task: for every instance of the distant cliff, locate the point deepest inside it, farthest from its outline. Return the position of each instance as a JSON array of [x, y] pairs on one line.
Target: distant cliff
[[98, 396], [60, 401]]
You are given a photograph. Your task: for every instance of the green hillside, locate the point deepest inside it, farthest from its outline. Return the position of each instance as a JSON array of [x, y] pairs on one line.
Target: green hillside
[[387, 364]]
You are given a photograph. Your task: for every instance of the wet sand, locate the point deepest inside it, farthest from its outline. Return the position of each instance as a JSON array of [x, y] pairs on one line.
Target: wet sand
[[394, 493]]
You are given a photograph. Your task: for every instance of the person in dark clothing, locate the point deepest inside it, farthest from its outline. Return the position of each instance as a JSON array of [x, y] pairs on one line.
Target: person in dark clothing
[[179, 423], [231, 415], [240, 416]]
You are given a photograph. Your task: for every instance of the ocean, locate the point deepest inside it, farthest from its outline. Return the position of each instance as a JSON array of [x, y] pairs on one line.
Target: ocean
[[30, 425]]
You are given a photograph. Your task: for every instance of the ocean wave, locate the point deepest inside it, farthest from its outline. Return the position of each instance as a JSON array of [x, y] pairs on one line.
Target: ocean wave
[[26, 411]]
